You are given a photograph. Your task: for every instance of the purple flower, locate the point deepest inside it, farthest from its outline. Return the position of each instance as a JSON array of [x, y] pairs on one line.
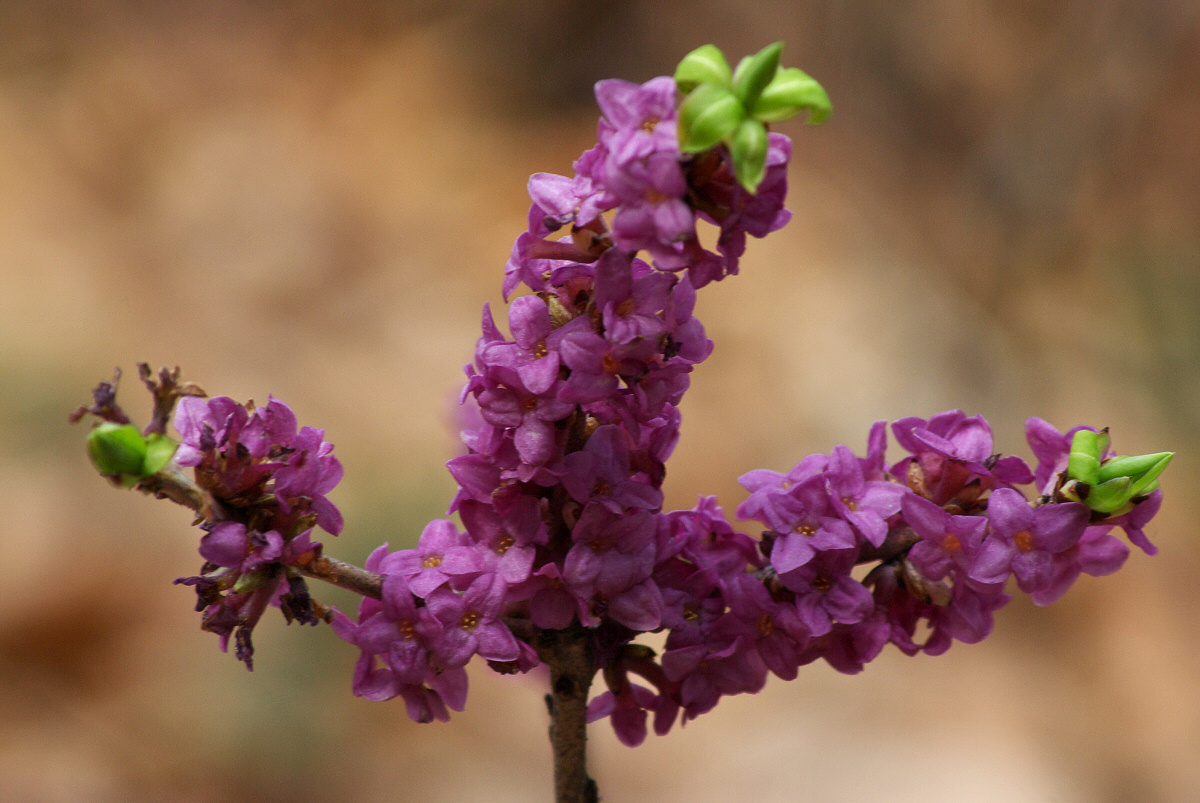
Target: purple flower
[[773, 626], [627, 711], [949, 543], [771, 501], [1096, 553], [967, 618], [552, 606], [848, 648], [596, 364], [509, 536], [952, 458], [1137, 518], [472, 623], [630, 297], [638, 120], [565, 200], [601, 473], [611, 555], [1025, 541], [866, 504], [814, 528], [826, 593], [725, 665], [442, 553]]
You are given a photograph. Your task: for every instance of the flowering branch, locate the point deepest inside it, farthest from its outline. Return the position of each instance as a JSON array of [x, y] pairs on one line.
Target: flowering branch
[[566, 556]]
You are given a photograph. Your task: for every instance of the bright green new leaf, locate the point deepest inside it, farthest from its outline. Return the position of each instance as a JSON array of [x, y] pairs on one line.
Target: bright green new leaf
[[704, 65], [1110, 497], [749, 152], [792, 91], [707, 116], [1131, 465], [755, 73], [117, 449], [1148, 481], [1083, 462]]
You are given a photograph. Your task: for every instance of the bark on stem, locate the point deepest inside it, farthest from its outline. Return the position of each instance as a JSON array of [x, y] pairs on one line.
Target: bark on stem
[[172, 484], [568, 653]]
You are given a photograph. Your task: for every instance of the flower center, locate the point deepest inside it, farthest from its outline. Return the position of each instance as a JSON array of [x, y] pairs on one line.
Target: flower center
[[653, 196], [503, 544], [765, 625], [407, 629], [822, 583], [951, 544], [610, 365], [1024, 541], [690, 612], [529, 404], [599, 546], [649, 124], [540, 350], [625, 307], [806, 529], [432, 561], [469, 621], [601, 488], [849, 503]]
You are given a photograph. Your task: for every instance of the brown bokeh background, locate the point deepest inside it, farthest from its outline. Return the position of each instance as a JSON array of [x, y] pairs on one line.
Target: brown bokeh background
[[314, 200]]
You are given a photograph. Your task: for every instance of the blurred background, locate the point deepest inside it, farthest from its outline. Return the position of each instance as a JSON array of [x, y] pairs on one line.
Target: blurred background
[[314, 199]]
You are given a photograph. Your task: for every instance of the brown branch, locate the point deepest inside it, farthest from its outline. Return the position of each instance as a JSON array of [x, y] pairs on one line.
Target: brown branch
[[171, 483], [344, 575], [568, 653]]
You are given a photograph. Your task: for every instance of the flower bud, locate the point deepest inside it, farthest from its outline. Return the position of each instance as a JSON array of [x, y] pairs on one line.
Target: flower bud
[[117, 450], [704, 65], [707, 116]]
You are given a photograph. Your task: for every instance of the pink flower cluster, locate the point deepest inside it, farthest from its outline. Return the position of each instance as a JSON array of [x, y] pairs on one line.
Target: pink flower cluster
[[560, 491], [267, 481]]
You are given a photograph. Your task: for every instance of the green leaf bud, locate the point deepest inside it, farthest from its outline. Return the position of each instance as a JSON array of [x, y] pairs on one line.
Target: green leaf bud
[[707, 116], [755, 73], [1083, 462], [117, 450], [791, 91], [1110, 497], [252, 581], [1147, 482], [704, 65], [749, 151], [1131, 465], [159, 451]]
